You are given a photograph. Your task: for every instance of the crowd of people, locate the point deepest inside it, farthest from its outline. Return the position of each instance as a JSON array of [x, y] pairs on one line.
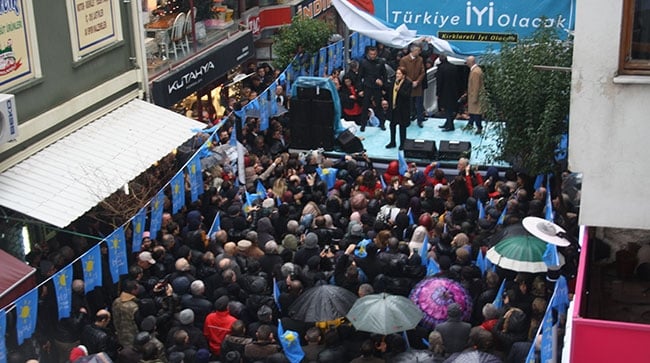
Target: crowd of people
[[190, 296]]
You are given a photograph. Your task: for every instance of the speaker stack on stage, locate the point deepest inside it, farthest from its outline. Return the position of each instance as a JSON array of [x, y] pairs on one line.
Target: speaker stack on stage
[[453, 150], [312, 119], [349, 143], [420, 149]]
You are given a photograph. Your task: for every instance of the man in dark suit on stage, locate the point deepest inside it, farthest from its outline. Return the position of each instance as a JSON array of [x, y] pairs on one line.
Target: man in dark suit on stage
[[447, 90]]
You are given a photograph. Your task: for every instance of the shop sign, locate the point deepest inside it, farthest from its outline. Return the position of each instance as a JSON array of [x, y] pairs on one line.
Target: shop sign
[[202, 71]]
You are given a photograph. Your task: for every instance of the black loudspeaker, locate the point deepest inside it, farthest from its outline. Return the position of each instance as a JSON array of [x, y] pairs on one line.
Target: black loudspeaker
[[453, 150], [349, 143], [420, 149], [312, 124]]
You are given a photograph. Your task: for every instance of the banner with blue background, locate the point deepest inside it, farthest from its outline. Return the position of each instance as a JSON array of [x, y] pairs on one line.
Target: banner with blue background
[[473, 26]]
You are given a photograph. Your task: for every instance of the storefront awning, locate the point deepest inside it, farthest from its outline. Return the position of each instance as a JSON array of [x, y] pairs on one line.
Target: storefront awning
[[63, 181]]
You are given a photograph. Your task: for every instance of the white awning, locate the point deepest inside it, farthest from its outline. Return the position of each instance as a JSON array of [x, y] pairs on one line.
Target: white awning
[[66, 179]]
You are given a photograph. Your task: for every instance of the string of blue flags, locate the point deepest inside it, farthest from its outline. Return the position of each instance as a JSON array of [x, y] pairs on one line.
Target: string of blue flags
[[151, 215]]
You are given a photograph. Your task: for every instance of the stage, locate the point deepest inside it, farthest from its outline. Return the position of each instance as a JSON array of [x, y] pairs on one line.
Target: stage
[[374, 141]]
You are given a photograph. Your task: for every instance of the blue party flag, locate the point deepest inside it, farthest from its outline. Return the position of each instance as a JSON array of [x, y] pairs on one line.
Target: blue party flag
[[354, 41], [157, 204], [538, 181], [278, 201], [550, 256], [91, 263], [26, 313], [425, 342], [3, 333], [117, 254], [137, 224], [276, 294], [403, 167], [406, 340], [432, 267], [328, 175], [560, 299], [361, 249], [290, 342], [178, 191], [260, 190], [312, 66], [549, 203], [489, 266], [546, 350], [424, 256], [383, 183], [330, 58], [498, 300], [481, 262], [63, 288], [196, 177], [502, 217], [410, 215], [338, 54], [322, 58], [530, 358], [481, 209], [216, 224]]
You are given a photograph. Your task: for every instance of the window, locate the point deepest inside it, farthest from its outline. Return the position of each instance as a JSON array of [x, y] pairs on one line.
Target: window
[[634, 57], [94, 25]]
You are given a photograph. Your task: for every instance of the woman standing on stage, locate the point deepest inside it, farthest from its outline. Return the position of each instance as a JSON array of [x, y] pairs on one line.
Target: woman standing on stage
[[399, 96]]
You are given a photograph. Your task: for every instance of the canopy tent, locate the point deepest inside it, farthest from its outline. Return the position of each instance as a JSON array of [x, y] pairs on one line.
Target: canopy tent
[[16, 279], [69, 177]]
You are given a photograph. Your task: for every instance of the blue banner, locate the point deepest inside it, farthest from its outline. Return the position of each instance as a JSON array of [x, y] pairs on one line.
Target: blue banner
[[137, 224], [92, 268], [156, 214], [63, 288], [26, 313], [117, 254], [474, 25], [196, 177], [178, 191], [3, 333]]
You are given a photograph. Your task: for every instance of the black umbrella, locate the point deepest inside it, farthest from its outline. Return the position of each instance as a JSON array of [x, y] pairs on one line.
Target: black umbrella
[[322, 303]]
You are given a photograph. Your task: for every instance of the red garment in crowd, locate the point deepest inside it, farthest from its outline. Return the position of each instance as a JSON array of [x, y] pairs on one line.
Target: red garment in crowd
[[391, 171], [215, 328], [430, 179]]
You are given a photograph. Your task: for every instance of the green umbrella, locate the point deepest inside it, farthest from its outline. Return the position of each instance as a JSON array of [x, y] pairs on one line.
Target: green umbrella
[[519, 251], [384, 314]]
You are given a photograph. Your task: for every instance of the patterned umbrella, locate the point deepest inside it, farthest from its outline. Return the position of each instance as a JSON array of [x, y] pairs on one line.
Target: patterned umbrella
[[433, 295], [518, 250]]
